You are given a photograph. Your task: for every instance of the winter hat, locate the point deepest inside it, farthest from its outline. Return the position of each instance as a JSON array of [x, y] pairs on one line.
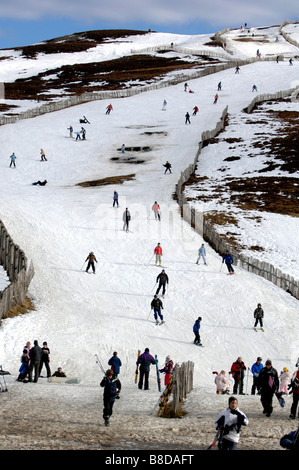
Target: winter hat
[[167, 358], [259, 359], [146, 350], [268, 362], [285, 369]]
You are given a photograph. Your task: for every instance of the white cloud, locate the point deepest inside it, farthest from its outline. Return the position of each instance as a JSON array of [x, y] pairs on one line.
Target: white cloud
[[157, 12]]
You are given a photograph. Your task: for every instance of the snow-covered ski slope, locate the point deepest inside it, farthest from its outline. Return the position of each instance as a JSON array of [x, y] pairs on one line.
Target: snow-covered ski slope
[[82, 314]]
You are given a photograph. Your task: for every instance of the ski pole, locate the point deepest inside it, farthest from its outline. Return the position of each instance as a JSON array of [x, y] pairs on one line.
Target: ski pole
[[82, 265], [149, 314], [151, 259]]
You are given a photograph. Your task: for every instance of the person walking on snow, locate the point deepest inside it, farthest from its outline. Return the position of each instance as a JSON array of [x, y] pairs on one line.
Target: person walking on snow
[[13, 160], [115, 198], [167, 370], [157, 305], [256, 369], [187, 116], [71, 131], [268, 383], [115, 364], [159, 254], [45, 359], [42, 156], [229, 421], [91, 260], [238, 371], [126, 219], [144, 361], [112, 387], [162, 278], [285, 380], [196, 328], [228, 259], [201, 254], [156, 210], [258, 315]]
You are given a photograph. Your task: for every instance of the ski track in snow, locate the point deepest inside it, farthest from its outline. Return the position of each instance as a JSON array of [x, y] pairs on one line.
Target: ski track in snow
[[81, 314]]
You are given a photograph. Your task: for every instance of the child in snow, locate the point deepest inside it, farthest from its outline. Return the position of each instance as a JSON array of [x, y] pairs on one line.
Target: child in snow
[[168, 368], [112, 387], [24, 368], [156, 210], [229, 421], [201, 254], [222, 383], [285, 379]]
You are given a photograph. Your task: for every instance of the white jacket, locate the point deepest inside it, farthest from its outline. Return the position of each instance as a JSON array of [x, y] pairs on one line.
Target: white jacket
[[229, 420]]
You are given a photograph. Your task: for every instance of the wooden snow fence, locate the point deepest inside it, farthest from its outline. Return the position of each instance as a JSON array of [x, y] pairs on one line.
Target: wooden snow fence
[[14, 262], [182, 385]]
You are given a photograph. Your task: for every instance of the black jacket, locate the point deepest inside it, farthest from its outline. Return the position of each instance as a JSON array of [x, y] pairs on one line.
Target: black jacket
[[156, 304], [35, 353], [266, 377], [162, 278]]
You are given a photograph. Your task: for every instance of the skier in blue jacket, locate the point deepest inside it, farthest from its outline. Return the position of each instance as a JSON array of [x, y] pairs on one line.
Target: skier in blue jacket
[[115, 364], [228, 259], [196, 328], [256, 369]]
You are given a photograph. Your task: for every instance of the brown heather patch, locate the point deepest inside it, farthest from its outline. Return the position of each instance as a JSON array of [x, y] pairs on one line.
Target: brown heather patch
[[19, 309], [108, 180]]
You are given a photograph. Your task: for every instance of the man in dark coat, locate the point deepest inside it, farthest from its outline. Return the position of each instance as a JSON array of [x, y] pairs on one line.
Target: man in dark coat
[[35, 355], [157, 305], [237, 370], [45, 359], [163, 280], [145, 360], [112, 387], [115, 364], [258, 315], [268, 383]]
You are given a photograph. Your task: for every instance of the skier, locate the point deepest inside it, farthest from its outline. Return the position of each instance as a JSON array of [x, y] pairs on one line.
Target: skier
[[164, 105], [167, 167], [78, 135], [230, 421], [237, 69], [254, 88], [35, 355], [115, 364], [196, 328], [167, 369], [24, 368], [285, 378], [12, 160], [115, 198], [91, 260], [268, 383], [256, 369], [219, 86], [42, 156], [71, 131], [144, 361], [295, 393], [45, 359], [187, 116], [258, 315], [126, 219], [109, 109], [195, 111], [201, 254], [222, 383], [123, 148], [216, 98], [162, 278], [157, 305], [112, 387], [237, 370], [159, 254], [228, 259], [156, 210]]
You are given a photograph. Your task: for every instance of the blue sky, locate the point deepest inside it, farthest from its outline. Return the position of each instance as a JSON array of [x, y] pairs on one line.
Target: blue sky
[[24, 22]]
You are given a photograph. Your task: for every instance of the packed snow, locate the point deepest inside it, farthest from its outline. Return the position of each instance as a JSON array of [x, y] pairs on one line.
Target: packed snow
[[80, 314]]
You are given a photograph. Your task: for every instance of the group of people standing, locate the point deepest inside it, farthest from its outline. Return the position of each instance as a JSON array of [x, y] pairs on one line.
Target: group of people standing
[[32, 360]]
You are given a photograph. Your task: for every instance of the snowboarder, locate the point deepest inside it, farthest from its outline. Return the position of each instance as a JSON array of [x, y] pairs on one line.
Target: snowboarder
[[222, 383], [157, 305], [167, 167], [45, 359], [285, 378], [71, 131], [84, 120], [59, 373], [196, 328], [115, 198], [35, 355], [256, 369], [187, 116], [237, 370], [40, 183], [216, 98], [42, 156], [159, 254], [258, 315], [268, 384], [228, 259], [12, 160], [195, 111], [91, 260], [201, 254], [162, 278], [295, 393], [115, 364], [109, 109], [112, 387], [156, 210], [24, 368], [83, 132], [144, 361], [167, 370], [230, 421], [126, 219]]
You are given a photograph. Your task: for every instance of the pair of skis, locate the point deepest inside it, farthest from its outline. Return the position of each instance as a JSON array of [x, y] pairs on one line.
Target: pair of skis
[[164, 397]]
